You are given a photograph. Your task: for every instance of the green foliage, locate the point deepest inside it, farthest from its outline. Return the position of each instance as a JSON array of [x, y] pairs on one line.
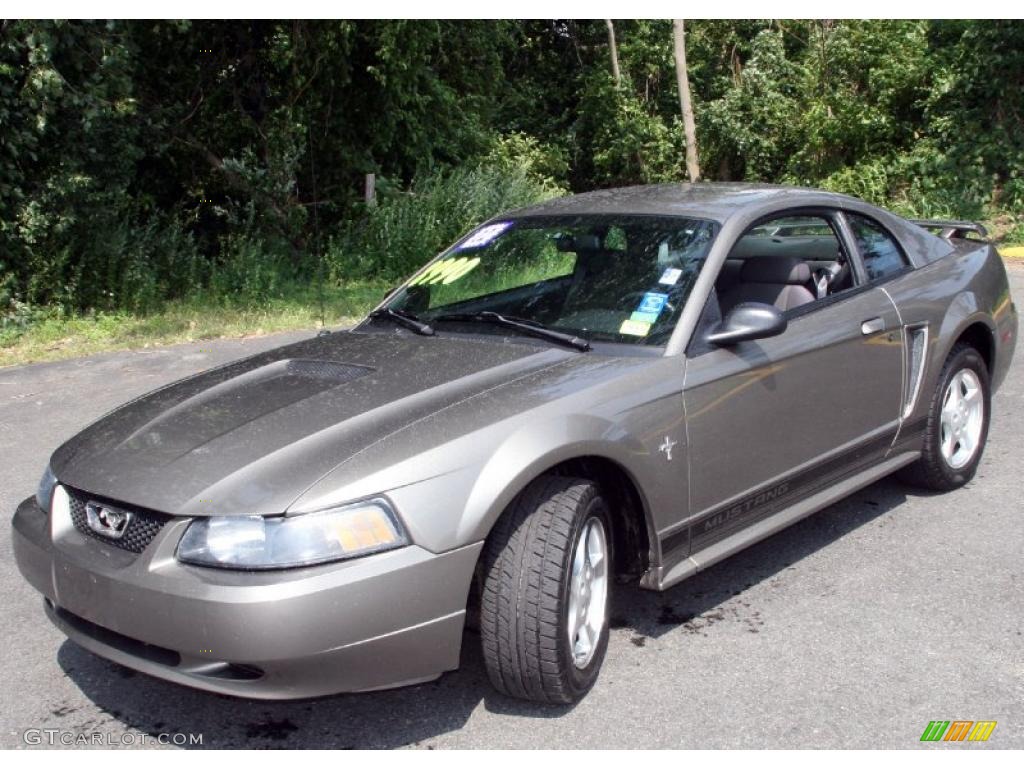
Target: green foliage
[[519, 153], [631, 144], [249, 273], [752, 130], [146, 162], [398, 235]]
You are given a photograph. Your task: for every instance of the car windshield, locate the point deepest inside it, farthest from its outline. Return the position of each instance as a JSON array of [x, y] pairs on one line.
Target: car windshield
[[621, 279]]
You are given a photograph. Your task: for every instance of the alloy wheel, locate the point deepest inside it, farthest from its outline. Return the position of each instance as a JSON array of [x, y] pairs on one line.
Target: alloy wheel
[[962, 418], [588, 592]]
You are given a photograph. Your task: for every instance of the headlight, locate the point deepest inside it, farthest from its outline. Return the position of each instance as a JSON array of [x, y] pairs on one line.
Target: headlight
[[257, 543], [44, 492]]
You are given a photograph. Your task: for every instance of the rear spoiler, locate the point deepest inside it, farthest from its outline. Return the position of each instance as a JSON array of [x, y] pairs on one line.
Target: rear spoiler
[[952, 229]]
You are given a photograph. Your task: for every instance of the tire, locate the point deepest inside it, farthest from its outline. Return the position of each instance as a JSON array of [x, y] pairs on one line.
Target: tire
[[936, 470], [528, 588]]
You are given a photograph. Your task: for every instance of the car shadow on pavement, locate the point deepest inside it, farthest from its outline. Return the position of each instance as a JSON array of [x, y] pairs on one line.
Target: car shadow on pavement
[[414, 716], [696, 604]]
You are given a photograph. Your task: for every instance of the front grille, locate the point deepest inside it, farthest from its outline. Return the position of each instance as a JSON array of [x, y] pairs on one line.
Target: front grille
[[145, 524]]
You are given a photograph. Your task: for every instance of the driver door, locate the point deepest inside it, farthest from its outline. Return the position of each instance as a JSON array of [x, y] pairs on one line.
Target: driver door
[[775, 420]]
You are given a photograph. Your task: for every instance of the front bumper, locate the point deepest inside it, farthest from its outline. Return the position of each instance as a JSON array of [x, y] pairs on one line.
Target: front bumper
[[376, 622]]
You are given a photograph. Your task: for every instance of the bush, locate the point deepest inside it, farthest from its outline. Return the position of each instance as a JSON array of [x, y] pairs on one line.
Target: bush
[[395, 237], [627, 142], [85, 250], [249, 273], [925, 183], [15, 315], [515, 152]]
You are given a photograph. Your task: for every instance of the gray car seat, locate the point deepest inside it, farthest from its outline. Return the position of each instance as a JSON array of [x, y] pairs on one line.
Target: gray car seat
[[778, 280]]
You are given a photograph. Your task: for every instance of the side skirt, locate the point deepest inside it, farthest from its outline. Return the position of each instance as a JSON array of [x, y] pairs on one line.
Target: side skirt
[[660, 579]]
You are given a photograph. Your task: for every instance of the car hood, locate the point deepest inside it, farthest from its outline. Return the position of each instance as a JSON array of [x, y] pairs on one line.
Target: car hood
[[250, 436]]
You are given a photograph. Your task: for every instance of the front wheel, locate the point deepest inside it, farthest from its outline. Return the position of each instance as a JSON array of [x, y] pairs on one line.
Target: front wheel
[[544, 603], [957, 424]]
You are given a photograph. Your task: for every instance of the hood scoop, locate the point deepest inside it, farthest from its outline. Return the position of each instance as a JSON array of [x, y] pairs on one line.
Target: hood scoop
[[339, 373], [244, 398]]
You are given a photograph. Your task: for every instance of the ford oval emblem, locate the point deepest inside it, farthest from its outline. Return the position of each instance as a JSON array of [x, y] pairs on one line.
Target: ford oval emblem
[[107, 521]]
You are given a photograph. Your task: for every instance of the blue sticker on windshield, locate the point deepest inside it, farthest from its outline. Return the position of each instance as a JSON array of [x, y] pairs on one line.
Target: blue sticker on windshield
[[483, 236], [653, 303]]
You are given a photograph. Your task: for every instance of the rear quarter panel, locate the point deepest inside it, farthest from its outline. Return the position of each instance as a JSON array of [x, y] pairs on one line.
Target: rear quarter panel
[[967, 286]]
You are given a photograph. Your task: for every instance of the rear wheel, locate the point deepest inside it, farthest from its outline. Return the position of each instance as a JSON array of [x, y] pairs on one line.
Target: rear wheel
[[544, 603], [957, 425]]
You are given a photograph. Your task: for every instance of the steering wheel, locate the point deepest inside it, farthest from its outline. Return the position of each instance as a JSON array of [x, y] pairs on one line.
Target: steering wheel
[[821, 282], [833, 276]]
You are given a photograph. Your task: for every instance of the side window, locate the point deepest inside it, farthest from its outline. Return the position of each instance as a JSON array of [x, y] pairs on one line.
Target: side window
[[881, 253], [789, 261]]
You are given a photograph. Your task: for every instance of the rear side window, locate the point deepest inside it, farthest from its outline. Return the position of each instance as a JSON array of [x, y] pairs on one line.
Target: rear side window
[[881, 253]]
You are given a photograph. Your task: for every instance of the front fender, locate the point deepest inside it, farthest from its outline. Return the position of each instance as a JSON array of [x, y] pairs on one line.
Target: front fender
[[450, 476], [534, 449], [459, 505]]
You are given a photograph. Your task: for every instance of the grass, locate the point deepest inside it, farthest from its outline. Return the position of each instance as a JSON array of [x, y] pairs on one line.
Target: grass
[[54, 337]]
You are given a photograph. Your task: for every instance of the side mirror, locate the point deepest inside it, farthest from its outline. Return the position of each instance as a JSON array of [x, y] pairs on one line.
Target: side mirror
[[747, 322]]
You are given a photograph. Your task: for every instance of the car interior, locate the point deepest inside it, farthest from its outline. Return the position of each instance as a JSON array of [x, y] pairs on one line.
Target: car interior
[[610, 270], [788, 262]]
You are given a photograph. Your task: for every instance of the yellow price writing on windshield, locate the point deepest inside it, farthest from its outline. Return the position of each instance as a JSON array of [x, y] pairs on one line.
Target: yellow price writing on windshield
[[446, 271]]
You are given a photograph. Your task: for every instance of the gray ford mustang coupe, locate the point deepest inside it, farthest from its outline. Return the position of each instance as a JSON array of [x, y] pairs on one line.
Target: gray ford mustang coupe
[[624, 385]]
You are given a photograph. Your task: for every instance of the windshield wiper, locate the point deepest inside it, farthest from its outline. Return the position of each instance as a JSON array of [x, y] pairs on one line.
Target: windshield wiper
[[404, 319], [527, 327]]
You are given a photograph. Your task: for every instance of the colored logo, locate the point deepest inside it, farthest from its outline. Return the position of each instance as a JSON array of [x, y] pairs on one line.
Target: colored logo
[[653, 302], [483, 236], [958, 730]]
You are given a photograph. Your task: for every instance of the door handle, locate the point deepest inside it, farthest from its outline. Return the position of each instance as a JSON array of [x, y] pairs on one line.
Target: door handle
[[874, 325]]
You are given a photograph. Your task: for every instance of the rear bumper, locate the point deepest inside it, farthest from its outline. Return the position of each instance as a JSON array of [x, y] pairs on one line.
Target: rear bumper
[[381, 621]]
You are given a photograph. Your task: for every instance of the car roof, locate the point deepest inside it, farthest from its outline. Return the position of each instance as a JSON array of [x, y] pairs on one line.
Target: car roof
[[716, 201]]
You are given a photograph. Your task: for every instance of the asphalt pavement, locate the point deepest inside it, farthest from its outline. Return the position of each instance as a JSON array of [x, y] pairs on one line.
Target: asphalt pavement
[[853, 628]]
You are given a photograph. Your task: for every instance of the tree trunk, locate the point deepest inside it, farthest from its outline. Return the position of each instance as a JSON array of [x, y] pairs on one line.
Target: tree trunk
[[685, 101], [614, 52]]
